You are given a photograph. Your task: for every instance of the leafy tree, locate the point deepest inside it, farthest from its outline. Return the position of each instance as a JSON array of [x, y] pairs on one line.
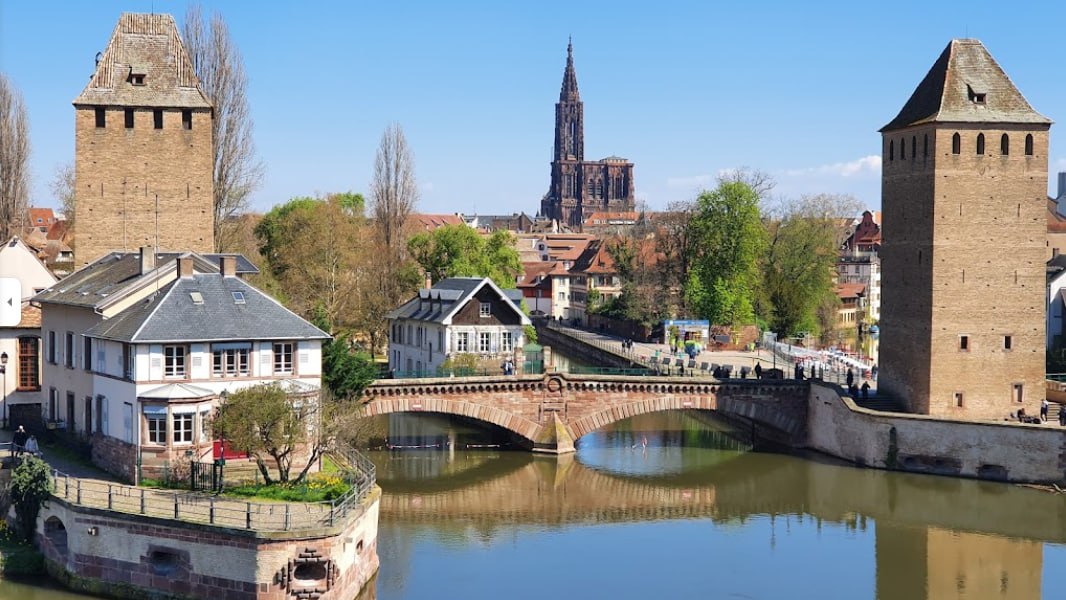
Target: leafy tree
[[345, 371], [14, 159], [269, 425], [728, 240], [460, 251], [30, 489], [463, 363], [804, 237]]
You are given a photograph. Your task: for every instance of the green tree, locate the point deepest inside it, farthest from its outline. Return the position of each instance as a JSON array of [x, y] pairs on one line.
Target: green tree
[[269, 425], [345, 371], [460, 251], [728, 240], [30, 488], [804, 237]]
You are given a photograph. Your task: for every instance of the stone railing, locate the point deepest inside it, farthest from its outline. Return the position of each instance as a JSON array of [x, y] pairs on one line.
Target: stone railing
[[222, 511]]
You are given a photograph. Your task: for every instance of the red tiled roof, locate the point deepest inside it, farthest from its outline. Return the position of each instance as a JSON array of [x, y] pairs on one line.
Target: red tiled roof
[[850, 290], [426, 222]]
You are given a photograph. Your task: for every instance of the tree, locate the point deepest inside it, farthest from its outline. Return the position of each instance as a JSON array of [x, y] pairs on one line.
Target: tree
[[460, 251], [270, 425], [220, 69], [393, 196], [804, 237], [14, 160], [30, 489], [62, 186], [728, 242], [345, 371]]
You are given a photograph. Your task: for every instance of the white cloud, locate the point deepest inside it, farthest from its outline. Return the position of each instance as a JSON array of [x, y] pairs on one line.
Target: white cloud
[[692, 181], [867, 165]]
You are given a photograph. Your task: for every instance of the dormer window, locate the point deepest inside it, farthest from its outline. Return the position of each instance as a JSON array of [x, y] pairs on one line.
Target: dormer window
[[137, 79], [975, 96], [137, 74], [238, 297]]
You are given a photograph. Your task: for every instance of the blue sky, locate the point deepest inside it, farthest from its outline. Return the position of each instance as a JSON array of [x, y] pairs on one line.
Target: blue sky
[[683, 89]]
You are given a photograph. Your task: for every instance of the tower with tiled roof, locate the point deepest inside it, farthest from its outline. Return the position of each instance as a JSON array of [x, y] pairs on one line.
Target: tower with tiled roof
[[964, 185], [143, 145]]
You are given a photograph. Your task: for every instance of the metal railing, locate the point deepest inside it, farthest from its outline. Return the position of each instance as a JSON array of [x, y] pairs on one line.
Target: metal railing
[[610, 346], [222, 511]]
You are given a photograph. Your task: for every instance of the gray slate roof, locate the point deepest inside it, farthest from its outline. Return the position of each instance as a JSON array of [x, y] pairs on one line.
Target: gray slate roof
[[149, 45], [447, 295], [172, 316], [946, 95]]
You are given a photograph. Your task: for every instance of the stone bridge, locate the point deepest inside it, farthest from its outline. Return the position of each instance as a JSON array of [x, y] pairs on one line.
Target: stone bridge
[[548, 413]]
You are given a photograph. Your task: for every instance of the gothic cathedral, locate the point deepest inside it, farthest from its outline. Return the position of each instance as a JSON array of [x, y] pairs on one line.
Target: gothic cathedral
[[580, 187]]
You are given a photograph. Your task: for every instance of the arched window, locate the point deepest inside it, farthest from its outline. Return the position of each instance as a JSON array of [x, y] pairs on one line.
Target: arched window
[[891, 150], [925, 146], [914, 146], [1004, 145], [1029, 144], [981, 144], [903, 149], [956, 144]]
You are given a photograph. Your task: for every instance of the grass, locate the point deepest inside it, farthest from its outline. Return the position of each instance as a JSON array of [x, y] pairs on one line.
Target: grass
[[16, 556], [319, 487]]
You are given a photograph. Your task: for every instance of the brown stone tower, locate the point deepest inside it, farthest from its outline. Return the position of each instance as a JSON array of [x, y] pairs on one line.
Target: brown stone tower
[[964, 187], [579, 187], [143, 153]]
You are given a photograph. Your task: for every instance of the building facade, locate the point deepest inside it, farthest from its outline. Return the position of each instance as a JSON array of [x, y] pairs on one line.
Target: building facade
[[964, 187], [143, 154], [580, 187]]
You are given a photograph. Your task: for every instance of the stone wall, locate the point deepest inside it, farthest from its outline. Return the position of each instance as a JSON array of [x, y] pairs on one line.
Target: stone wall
[[1005, 451], [128, 556], [115, 457]]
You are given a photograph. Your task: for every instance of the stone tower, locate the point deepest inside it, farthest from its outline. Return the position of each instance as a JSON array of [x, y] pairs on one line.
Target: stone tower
[[964, 186], [143, 154], [579, 187]]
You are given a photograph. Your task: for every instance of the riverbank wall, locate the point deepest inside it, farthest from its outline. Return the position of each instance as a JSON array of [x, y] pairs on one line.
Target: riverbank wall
[[122, 555], [1006, 451]]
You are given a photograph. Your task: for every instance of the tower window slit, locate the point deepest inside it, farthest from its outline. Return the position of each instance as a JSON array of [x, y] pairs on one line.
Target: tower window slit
[[956, 144]]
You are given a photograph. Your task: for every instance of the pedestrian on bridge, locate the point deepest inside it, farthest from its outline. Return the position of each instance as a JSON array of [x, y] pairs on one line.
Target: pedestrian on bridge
[[866, 390], [1043, 410], [850, 378], [758, 371], [1062, 416]]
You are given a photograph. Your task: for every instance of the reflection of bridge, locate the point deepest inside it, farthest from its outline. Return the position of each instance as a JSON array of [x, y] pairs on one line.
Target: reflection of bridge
[[550, 412]]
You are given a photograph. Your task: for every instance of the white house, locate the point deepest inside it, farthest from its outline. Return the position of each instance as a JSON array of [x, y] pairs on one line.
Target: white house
[[458, 315], [141, 347], [22, 275]]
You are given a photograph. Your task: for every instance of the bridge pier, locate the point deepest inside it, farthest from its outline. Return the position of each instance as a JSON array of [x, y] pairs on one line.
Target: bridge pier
[[554, 438]]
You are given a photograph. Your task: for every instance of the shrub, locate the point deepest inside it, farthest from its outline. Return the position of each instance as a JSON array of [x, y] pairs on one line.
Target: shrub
[[30, 488]]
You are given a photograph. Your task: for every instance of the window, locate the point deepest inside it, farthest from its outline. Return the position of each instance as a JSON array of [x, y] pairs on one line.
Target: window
[[956, 144], [283, 358], [129, 118], [174, 361], [462, 342], [925, 146], [87, 353], [891, 150], [29, 377], [101, 117], [980, 144], [186, 119], [506, 341], [89, 415], [1017, 392], [101, 420], [484, 341], [562, 296], [1008, 342], [52, 347], [68, 350], [183, 427], [156, 420], [127, 358], [205, 425], [197, 298], [157, 118], [137, 79], [53, 404], [440, 340], [964, 343], [1029, 144], [903, 149], [228, 361], [1004, 145], [238, 297], [485, 309], [914, 146], [958, 399]]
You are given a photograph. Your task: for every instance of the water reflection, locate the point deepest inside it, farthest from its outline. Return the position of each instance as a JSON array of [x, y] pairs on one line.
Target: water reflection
[[685, 489]]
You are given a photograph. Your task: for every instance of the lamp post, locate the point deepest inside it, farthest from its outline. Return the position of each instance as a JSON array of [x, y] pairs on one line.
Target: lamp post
[[3, 375]]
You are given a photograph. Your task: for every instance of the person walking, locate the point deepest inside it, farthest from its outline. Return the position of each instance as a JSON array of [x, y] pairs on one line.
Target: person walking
[[850, 378], [1062, 416], [1043, 410], [758, 371], [19, 440], [32, 448], [866, 390]]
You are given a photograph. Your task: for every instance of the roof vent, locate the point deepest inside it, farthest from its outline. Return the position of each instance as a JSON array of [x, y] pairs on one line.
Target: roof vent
[[238, 297], [197, 298], [975, 96]]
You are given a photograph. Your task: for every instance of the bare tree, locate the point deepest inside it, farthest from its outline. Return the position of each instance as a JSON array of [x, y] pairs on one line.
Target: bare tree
[[62, 186], [220, 68], [393, 195], [14, 159]]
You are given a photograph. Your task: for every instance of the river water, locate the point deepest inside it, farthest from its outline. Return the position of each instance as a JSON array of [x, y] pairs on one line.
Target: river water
[[671, 505]]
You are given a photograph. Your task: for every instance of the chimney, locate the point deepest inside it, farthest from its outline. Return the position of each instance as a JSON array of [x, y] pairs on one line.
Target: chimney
[[229, 266], [147, 259], [429, 282], [185, 267]]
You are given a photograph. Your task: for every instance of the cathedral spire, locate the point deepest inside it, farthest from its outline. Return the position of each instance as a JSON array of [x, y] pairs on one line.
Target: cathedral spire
[[569, 90]]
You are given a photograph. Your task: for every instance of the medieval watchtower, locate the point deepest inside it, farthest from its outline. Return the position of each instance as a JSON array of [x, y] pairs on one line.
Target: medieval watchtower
[[964, 185], [143, 154]]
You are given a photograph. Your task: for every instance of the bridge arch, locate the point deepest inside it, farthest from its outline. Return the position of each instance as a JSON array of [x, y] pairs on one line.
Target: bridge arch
[[524, 428]]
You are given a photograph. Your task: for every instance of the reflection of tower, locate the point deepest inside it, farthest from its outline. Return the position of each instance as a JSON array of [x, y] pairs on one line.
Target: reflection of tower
[[933, 563]]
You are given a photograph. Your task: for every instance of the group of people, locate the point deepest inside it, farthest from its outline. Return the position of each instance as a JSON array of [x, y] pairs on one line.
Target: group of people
[[25, 443]]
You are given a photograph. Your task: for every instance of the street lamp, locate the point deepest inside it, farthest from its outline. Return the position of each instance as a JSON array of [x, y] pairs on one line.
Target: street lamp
[[3, 375]]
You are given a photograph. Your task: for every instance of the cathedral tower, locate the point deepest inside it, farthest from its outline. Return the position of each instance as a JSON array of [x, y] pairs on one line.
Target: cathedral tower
[[964, 186], [143, 154], [580, 187]]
